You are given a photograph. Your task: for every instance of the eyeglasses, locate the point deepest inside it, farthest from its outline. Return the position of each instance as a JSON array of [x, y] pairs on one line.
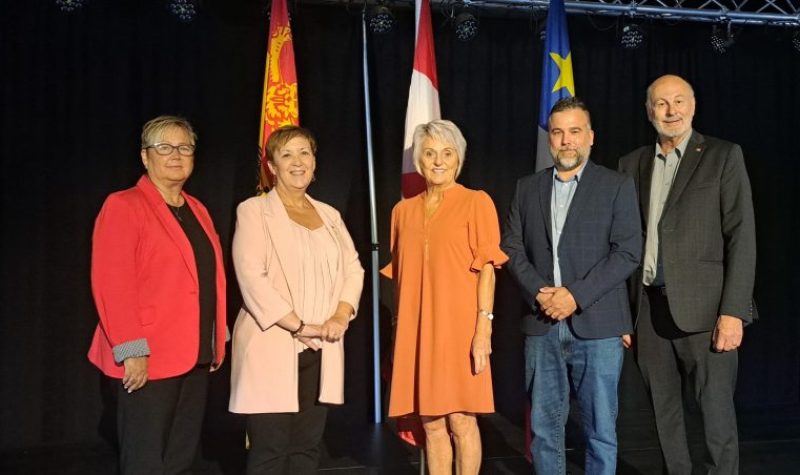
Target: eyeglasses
[[187, 150]]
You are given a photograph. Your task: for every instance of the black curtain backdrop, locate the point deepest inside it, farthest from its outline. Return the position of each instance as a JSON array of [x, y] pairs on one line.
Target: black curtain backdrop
[[76, 88]]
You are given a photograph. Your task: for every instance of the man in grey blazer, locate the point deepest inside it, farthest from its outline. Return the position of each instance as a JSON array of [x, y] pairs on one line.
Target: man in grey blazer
[[693, 294], [573, 237]]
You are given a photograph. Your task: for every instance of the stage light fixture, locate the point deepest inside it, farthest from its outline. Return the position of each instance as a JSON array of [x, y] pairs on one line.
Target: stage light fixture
[[69, 5], [184, 10], [722, 38], [466, 26], [381, 20], [632, 36]]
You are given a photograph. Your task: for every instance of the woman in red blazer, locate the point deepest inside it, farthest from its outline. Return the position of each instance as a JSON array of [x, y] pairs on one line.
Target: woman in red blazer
[[159, 286]]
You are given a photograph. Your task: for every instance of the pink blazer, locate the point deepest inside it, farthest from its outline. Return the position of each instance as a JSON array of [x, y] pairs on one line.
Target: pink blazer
[[144, 281], [264, 361]]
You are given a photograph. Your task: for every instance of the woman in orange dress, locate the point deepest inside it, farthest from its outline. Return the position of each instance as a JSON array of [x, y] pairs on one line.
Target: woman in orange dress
[[445, 245]]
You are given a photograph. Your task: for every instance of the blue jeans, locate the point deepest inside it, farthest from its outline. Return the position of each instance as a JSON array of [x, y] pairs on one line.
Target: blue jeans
[[556, 362]]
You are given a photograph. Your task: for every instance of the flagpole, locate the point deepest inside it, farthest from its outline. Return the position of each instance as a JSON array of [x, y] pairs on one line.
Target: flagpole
[[376, 340]]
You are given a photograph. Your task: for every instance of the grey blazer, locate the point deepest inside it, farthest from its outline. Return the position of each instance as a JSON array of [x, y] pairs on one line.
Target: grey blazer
[[707, 232], [600, 246]]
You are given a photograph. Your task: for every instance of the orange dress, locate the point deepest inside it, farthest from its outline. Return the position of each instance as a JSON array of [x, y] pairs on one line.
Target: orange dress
[[435, 267]]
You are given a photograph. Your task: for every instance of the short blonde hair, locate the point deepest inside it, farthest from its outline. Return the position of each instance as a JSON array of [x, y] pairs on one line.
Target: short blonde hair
[[153, 130], [443, 131], [281, 136]]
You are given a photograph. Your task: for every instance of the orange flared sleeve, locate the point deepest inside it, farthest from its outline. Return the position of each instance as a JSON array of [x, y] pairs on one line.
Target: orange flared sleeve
[[484, 234]]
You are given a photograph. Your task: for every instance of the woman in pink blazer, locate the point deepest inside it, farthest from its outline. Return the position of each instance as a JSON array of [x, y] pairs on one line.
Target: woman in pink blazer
[[301, 282], [159, 286]]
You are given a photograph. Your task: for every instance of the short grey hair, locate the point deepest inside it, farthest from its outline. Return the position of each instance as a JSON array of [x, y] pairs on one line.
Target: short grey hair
[[154, 129], [443, 131]]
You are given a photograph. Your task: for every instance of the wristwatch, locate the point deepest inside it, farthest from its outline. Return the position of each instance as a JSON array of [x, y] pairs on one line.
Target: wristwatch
[[486, 313]]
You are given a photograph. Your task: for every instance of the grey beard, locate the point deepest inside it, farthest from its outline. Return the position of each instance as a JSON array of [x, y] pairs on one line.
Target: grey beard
[[667, 133], [565, 165]]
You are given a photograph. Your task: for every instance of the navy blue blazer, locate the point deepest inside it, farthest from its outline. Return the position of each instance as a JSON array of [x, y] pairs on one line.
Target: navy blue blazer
[[600, 246]]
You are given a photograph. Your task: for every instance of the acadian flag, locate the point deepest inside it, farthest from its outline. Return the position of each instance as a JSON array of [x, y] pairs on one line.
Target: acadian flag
[[279, 105], [557, 80], [423, 96], [557, 83]]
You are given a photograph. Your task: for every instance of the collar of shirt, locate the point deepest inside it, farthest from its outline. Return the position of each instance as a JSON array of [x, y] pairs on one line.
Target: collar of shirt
[[576, 177], [679, 150]]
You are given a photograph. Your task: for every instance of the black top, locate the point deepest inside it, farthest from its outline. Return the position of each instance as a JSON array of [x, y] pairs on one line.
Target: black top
[[206, 275]]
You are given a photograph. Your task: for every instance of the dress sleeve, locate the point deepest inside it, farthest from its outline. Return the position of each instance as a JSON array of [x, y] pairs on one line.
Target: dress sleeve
[[484, 234]]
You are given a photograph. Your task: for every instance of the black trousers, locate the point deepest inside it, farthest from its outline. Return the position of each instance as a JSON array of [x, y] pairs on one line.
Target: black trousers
[[289, 443], [669, 359], [159, 425]]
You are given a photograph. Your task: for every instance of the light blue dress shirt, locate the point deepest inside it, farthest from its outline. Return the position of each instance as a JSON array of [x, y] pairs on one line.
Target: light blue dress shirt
[[560, 201]]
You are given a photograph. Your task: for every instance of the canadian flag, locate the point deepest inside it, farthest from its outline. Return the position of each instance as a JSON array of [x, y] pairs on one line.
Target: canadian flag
[[423, 107], [423, 96]]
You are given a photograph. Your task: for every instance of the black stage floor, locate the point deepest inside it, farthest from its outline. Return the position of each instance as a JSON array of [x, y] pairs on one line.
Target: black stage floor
[[769, 443]]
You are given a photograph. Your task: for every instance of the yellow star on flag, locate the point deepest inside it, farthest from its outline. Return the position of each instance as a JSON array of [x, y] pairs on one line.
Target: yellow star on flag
[[565, 79]]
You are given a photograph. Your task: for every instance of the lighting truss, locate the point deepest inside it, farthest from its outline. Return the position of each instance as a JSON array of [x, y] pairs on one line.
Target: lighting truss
[[782, 13], [752, 12]]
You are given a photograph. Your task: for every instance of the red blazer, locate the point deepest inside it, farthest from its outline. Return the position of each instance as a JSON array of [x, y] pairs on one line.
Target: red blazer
[[144, 281]]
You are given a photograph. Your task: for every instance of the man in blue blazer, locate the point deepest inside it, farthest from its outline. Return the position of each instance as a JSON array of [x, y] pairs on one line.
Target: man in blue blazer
[[573, 237]]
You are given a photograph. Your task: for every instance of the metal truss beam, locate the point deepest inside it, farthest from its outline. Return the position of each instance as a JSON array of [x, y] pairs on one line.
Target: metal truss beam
[[753, 12], [777, 13]]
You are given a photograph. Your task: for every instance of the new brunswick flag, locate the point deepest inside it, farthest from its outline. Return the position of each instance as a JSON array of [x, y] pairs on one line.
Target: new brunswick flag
[[279, 104]]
